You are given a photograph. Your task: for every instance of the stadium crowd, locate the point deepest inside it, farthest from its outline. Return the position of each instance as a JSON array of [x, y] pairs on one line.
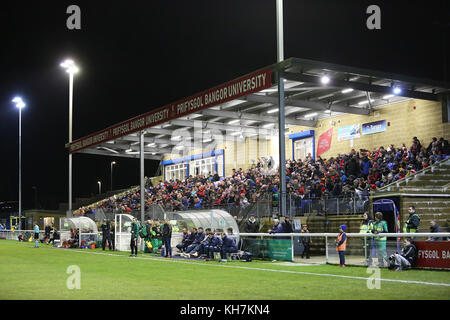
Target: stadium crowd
[[346, 175]]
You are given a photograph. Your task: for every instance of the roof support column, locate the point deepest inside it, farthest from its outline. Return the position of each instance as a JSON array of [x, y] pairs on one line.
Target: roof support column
[[142, 192], [281, 147]]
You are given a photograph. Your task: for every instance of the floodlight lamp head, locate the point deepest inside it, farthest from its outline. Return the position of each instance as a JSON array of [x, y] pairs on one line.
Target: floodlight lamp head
[[19, 102]]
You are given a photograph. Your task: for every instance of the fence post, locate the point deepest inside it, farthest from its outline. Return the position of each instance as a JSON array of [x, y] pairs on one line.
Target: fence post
[[326, 249], [337, 206], [292, 247]]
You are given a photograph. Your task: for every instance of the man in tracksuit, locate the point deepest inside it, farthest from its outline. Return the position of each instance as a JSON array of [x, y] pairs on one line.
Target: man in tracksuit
[[135, 227], [215, 245], [228, 246], [106, 235], [185, 242], [200, 249], [406, 258], [199, 237], [341, 243]]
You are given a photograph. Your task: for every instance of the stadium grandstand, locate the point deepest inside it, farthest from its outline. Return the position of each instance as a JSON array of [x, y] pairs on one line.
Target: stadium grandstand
[[351, 137]]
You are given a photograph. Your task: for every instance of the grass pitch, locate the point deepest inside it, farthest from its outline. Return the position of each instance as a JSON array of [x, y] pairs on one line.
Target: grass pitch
[[30, 273]]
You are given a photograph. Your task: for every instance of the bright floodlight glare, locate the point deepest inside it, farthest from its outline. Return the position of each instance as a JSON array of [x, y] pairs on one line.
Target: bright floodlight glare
[[397, 90], [70, 66], [19, 102], [347, 90], [325, 79]]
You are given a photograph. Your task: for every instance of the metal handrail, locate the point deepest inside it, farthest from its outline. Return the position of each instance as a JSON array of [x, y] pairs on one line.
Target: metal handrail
[[409, 177]]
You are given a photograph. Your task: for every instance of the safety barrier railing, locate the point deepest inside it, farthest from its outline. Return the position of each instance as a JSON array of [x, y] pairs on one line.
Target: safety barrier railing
[[363, 249], [406, 179]]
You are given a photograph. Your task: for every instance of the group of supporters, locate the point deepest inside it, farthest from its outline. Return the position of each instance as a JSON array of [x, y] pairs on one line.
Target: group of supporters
[[341, 176], [204, 243]]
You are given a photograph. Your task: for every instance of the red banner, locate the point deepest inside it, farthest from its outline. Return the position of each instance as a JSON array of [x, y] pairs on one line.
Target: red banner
[[324, 143], [433, 254], [237, 88]]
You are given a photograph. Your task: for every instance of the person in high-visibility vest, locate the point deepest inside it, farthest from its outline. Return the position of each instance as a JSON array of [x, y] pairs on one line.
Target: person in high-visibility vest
[[341, 243], [412, 224], [380, 226], [367, 227]]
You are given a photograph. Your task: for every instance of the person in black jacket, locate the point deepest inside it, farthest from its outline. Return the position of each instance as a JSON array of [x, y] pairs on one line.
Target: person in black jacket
[[405, 259], [167, 237], [251, 225], [106, 234], [287, 225]]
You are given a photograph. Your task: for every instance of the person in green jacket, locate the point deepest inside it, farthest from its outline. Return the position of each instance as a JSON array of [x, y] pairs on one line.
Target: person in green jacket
[[135, 228], [413, 222], [367, 227], [379, 227]]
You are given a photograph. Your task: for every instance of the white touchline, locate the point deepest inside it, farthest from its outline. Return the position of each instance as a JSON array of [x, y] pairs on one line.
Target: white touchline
[[262, 269]]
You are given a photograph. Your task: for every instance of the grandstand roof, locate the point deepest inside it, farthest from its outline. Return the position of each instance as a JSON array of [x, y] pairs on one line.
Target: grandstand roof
[[247, 106]]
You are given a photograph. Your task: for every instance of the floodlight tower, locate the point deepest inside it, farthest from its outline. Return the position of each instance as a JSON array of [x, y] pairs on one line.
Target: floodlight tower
[[20, 104], [71, 69]]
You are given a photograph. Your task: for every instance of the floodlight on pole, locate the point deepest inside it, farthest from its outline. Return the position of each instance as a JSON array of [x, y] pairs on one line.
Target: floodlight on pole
[[112, 164], [20, 105], [71, 69]]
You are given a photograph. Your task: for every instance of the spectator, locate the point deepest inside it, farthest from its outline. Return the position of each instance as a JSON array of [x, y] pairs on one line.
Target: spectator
[[434, 228], [405, 259], [306, 241], [251, 225], [346, 175], [277, 228], [287, 225]]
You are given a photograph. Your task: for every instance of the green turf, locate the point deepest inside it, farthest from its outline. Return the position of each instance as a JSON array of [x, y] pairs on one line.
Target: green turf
[[30, 273]]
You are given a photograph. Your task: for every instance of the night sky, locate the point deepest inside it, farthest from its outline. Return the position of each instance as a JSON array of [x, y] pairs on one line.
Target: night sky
[[135, 56]]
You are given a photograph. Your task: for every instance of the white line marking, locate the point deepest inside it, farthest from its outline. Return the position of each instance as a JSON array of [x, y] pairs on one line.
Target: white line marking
[[263, 269]]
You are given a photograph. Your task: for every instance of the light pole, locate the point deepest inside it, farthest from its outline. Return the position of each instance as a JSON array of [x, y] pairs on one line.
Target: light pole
[[71, 69], [112, 163], [20, 104], [99, 187]]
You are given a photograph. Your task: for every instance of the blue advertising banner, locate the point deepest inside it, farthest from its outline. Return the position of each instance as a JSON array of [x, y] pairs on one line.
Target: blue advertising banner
[[374, 127], [349, 132]]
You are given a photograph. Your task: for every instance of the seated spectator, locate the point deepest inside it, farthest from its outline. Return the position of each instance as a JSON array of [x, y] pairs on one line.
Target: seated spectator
[[405, 259], [434, 228], [277, 227]]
